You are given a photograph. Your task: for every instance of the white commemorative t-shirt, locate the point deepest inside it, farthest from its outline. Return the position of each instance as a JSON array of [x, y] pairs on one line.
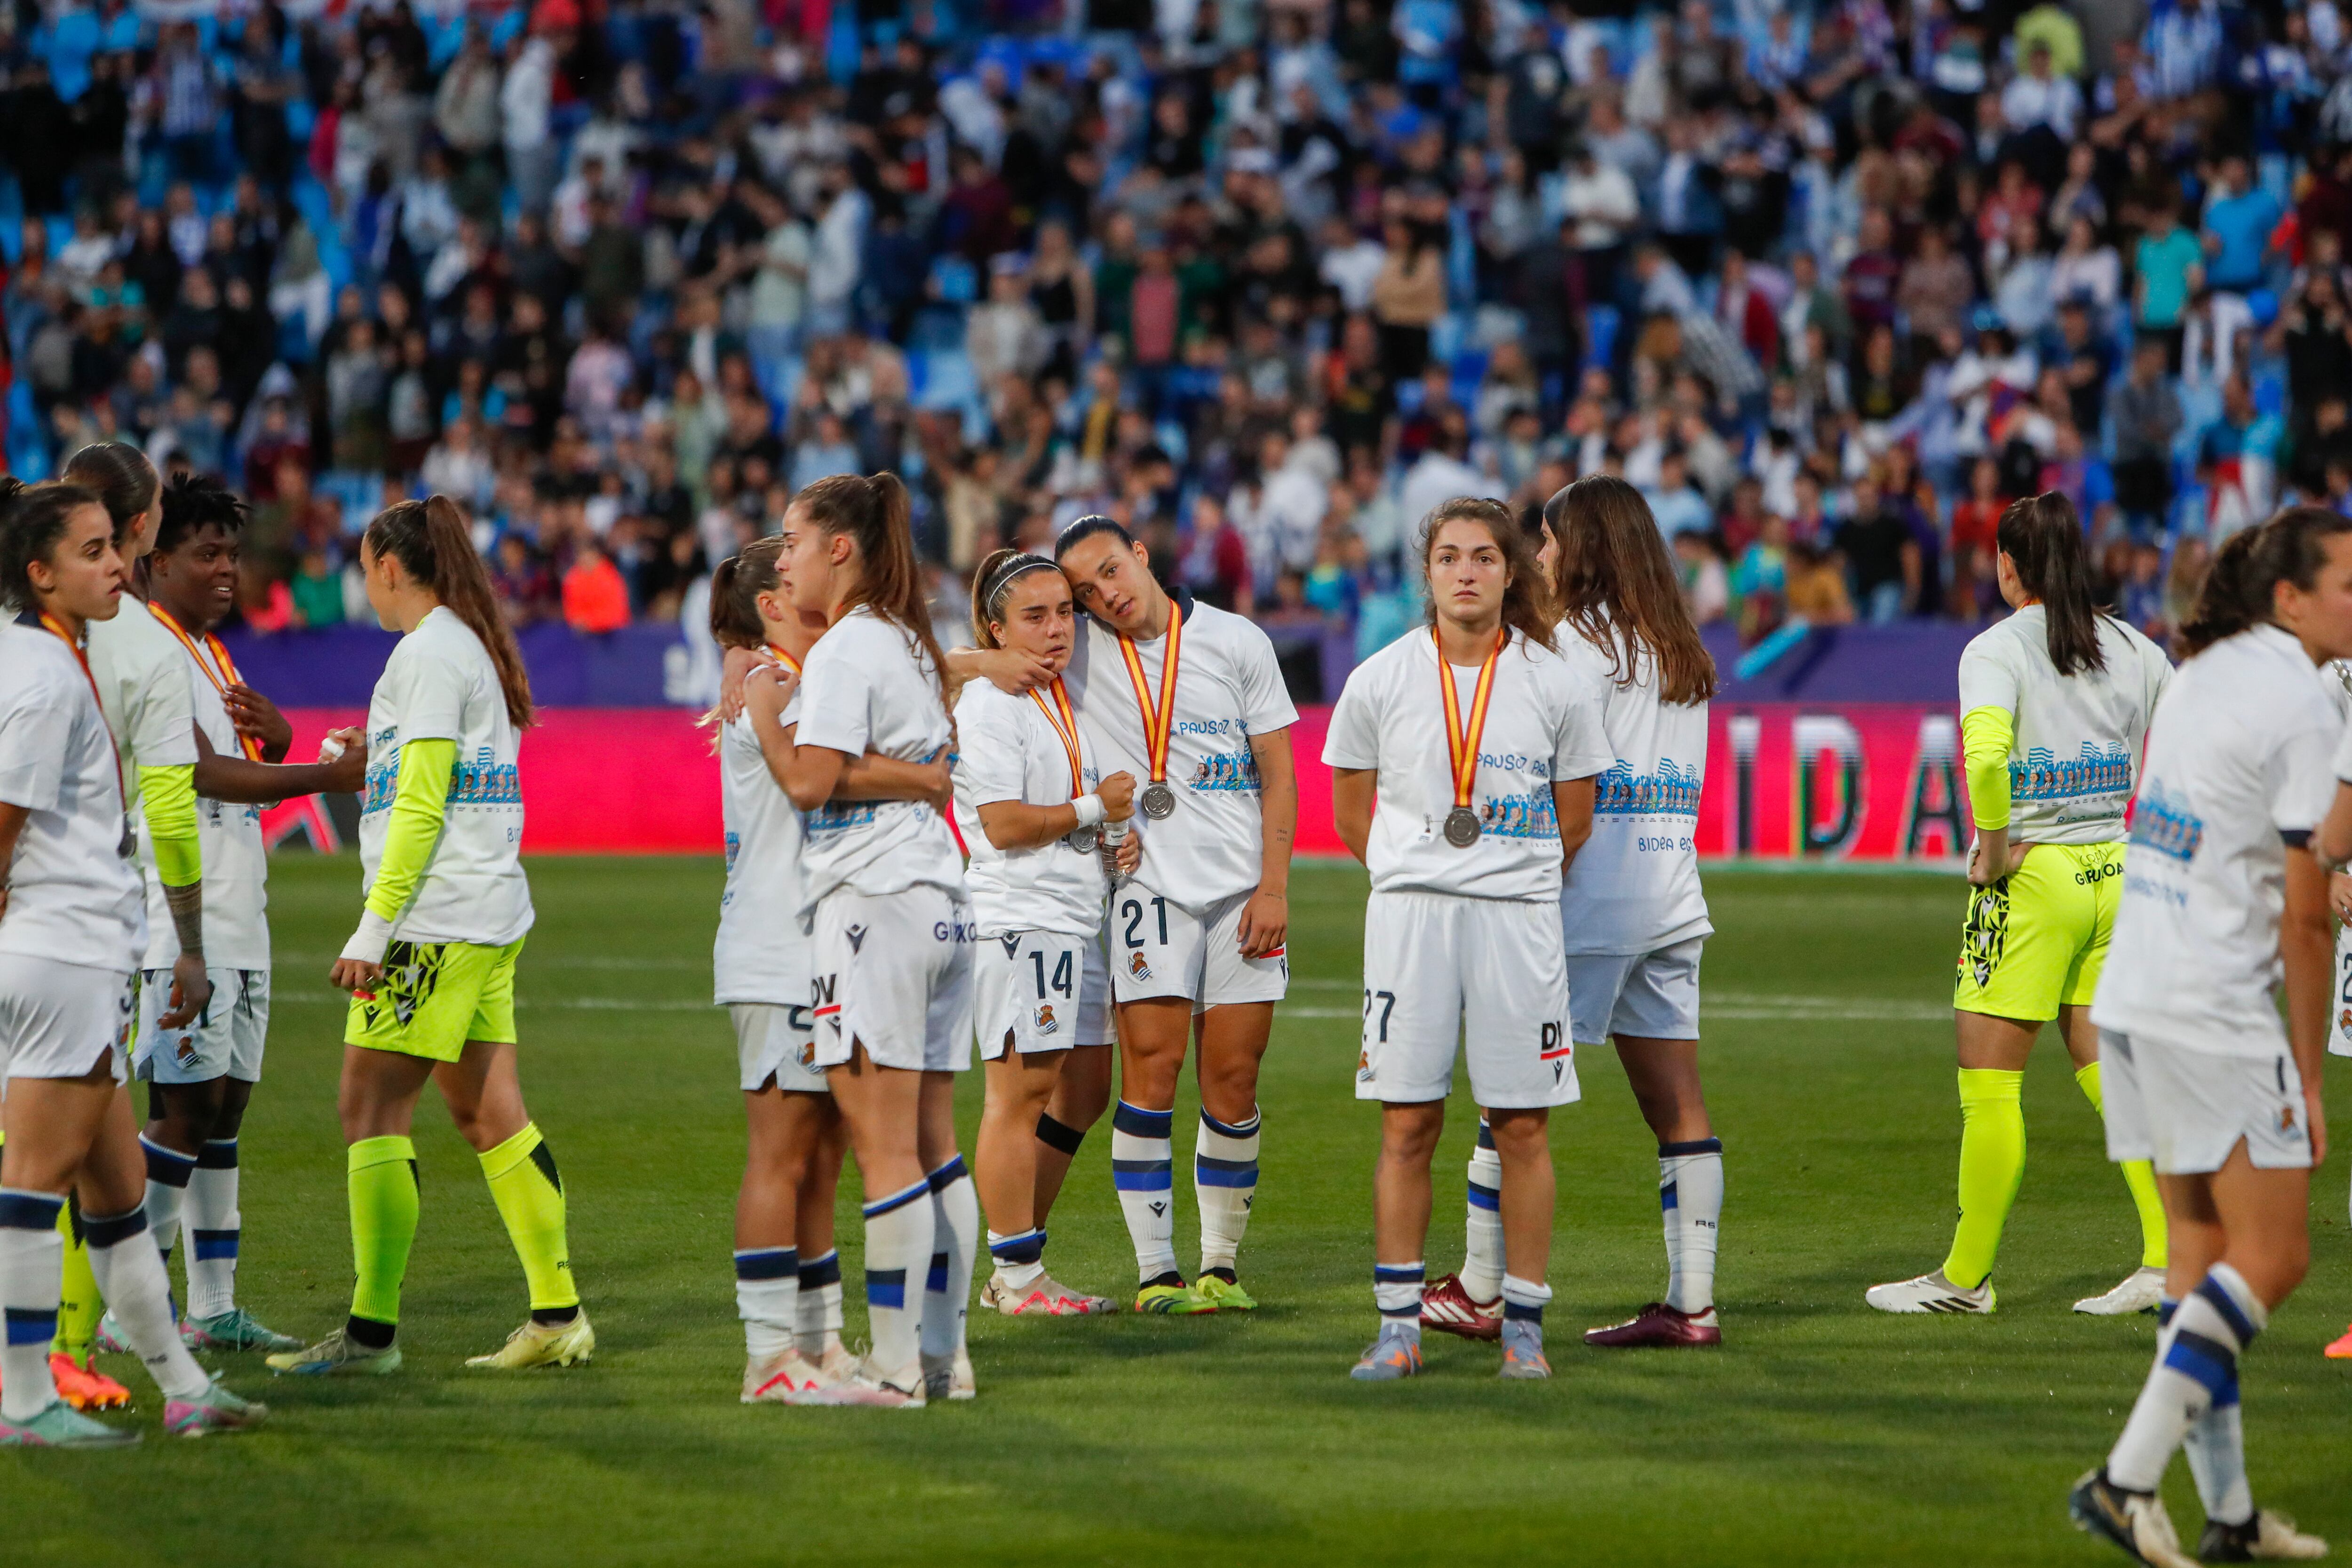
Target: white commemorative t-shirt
[[2336, 679], [1634, 887], [73, 897], [440, 685], [763, 951], [1228, 689], [144, 685], [1542, 727], [237, 866], [1007, 748], [2241, 759], [868, 686], [2078, 736]]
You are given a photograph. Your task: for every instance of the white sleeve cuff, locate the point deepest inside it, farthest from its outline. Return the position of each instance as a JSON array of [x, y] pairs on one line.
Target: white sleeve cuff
[[1090, 809], [368, 942]]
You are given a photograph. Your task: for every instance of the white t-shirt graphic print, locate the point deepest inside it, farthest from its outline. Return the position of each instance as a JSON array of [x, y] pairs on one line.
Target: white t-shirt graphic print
[[1007, 750]]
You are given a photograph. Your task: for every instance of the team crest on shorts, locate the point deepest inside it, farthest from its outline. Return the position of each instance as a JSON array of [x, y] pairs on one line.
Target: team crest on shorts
[[1136, 968], [2286, 1120], [186, 1051], [808, 1053], [1046, 1023], [1364, 1066], [2344, 1020]]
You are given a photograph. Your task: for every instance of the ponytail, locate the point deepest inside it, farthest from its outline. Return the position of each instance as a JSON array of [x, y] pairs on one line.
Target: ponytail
[[879, 515], [2043, 538], [432, 545], [993, 582], [120, 477], [32, 519], [736, 584], [2242, 586]]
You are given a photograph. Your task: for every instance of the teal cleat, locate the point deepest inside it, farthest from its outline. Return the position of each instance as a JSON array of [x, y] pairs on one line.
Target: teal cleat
[[235, 1330], [214, 1410], [62, 1426], [337, 1355]]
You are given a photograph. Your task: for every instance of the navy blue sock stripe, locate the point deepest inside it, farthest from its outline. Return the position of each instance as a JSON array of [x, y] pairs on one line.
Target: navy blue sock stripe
[[768, 1263], [936, 1281], [817, 1273], [1696, 1146], [21, 1210], [898, 1200], [886, 1288], [1027, 1246], [1231, 1130], [1485, 1197], [1137, 1123], [1513, 1311], [1143, 1175], [211, 1246], [946, 1175], [220, 1154], [2208, 1361], [31, 1325], [2164, 1310], [1486, 1136], [1670, 1194], [1408, 1313], [2220, 1301], [1214, 1172], [166, 1167], [1398, 1273], [113, 1230]]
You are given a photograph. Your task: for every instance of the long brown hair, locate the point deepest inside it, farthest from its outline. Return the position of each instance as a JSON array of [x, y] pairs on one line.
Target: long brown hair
[[877, 513], [1619, 589], [430, 540], [993, 582], [32, 519], [736, 584], [2043, 538], [1527, 602], [120, 476], [2242, 587]]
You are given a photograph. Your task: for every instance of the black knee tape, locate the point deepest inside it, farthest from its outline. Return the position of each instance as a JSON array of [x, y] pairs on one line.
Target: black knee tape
[[1059, 1135]]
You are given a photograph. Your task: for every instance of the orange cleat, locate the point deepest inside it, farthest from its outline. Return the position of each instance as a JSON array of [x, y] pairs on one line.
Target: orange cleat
[[2341, 1350], [85, 1387]]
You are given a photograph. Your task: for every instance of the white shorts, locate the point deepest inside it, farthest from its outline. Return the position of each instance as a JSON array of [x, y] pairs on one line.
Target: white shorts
[[2339, 1020], [225, 1041], [1159, 948], [1488, 970], [1649, 996], [775, 1041], [61, 1020], [1044, 990], [893, 974], [2186, 1110]]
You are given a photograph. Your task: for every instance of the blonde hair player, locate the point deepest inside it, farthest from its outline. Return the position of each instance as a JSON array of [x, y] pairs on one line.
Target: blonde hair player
[[431, 968], [1463, 767]]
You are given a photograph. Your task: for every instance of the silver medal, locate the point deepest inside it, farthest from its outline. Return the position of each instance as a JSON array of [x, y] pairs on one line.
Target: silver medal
[[1084, 840], [1462, 827], [1159, 800]]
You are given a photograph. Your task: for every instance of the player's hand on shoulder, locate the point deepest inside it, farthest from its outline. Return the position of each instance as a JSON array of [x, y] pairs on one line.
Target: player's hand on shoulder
[[764, 690], [1118, 794], [735, 667], [1014, 672]]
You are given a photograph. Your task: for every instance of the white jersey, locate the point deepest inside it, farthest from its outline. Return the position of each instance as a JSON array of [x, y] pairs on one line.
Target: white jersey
[[237, 865], [72, 895], [1542, 727], [1008, 750], [763, 951], [145, 686], [1634, 887], [868, 686], [440, 685], [2239, 766], [2071, 770], [1228, 689]]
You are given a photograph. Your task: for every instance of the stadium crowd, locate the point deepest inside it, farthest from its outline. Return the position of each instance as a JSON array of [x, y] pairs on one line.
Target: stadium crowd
[[1264, 279]]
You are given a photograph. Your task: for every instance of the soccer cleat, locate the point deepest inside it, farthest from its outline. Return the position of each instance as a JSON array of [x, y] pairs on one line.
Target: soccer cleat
[[83, 1386], [337, 1355], [1931, 1293], [2136, 1522], [785, 1379], [1172, 1300], [1223, 1295], [1395, 1356], [1523, 1356], [214, 1410], [838, 1363], [61, 1426], [2140, 1291], [902, 1390], [2266, 1537], [1446, 1306], [542, 1344], [949, 1377], [235, 1330], [108, 1336], [1043, 1297], [1659, 1326], [2340, 1349]]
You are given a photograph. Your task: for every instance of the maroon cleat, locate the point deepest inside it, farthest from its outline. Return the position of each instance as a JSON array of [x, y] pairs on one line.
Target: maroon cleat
[[1447, 1307], [1659, 1326]]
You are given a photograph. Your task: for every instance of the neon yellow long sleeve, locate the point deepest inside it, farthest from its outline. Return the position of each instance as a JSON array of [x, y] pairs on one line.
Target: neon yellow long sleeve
[[169, 797], [1987, 737], [420, 803]]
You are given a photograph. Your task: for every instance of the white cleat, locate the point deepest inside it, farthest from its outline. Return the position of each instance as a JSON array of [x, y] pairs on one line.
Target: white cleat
[[2141, 1290], [1045, 1297], [949, 1377], [901, 1390], [786, 1379], [2267, 1537], [1930, 1293]]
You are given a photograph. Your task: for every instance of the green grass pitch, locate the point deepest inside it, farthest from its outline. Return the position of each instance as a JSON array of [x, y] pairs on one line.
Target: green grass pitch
[[1820, 1432]]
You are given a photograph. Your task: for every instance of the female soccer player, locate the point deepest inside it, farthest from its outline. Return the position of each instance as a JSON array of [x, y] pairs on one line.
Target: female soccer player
[[1032, 804], [2054, 703], [2222, 892], [1191, 700], [431, 967], [71, 928], [1463, 777], [784, 1215], [891, 955]]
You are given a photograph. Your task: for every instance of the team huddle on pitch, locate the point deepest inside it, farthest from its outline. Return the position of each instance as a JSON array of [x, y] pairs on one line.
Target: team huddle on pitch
[[1070, 846]]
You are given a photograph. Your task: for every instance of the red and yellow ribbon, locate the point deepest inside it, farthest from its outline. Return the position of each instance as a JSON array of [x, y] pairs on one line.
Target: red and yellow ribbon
[[1461, 739], [1066, 725], [56, 628], [249, 744], [1157, 727]]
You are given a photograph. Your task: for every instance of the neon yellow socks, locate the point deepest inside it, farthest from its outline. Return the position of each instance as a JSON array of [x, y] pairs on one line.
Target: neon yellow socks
[[383, 1225], [530, 1195], [1992, 1163], [79, 1303], [2139, 1175]]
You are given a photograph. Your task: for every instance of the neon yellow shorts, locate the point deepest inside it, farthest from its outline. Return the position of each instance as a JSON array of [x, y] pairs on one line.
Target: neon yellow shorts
[[436, 997], [2036, 938]]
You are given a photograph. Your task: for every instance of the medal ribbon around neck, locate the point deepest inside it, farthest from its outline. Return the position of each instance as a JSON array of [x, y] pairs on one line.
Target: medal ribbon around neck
[[56, 628], [1066, 725], [248, 744], [1157, 727], [1461, 739], [787, 661]]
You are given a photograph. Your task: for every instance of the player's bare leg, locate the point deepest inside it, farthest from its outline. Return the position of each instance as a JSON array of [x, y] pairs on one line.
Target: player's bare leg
[[1665, 1077]]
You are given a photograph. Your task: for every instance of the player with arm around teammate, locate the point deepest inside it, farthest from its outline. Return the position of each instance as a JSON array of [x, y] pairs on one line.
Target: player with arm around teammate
[[1462, 777], [2224, 898]]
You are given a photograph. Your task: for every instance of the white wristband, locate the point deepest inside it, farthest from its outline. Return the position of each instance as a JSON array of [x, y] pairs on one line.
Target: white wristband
[[368, 942], [1090, 809]]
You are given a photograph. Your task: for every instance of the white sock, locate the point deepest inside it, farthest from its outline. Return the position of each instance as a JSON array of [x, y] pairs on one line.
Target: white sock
[[1396, 1291], [1524, 1299], [1690, 1193], [1142, 1166], [818, 1328], [130, 1278], [955, 1242], [32, 1281], [768, 1299], [2196, 1369], [1020, 1257], [215, 1228], [1482, 1246], [2215, 1446], [897, 1259], [169, 1171], [1224, 1183]]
